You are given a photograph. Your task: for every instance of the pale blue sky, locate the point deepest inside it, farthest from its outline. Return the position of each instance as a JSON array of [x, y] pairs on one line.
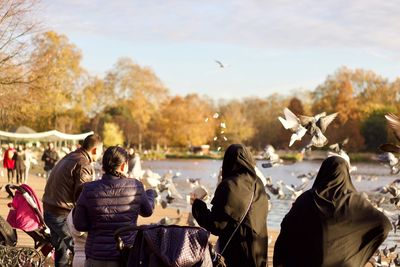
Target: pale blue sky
[[270, 46]]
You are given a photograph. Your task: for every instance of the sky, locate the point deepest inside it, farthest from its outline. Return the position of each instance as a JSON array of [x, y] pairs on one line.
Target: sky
[[267, 46]]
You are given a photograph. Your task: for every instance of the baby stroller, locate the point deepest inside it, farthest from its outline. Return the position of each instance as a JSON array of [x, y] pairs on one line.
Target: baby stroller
[[163, 246], [26, 214]]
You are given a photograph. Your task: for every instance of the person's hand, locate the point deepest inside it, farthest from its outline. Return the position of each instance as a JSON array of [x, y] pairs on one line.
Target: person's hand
[[151, 193]]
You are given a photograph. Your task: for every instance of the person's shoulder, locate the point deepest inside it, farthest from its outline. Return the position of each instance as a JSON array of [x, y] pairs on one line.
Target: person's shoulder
[[132, 182], [93, 185]]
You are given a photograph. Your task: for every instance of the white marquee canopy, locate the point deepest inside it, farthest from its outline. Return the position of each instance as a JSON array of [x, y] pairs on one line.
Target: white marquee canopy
[[52, 135]]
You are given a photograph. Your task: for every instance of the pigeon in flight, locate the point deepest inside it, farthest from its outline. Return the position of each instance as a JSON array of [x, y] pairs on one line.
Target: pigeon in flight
[[394, 123], [292, 122], [338, 150], [339, 146], [316, 127]]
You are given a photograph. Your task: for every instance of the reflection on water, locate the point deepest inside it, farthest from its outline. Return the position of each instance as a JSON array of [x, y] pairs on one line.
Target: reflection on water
[[208, 170]]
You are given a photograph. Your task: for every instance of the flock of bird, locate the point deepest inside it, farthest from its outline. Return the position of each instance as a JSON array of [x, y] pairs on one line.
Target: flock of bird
[[385, 198], [386, 195]]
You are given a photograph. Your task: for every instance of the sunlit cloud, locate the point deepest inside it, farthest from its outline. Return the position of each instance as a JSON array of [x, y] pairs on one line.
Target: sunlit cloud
[[279, 24]]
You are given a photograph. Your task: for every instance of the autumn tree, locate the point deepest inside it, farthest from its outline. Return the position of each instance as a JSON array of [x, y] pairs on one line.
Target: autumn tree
[[238, 128], [112, 135], [16, 26], [141, 90], [182, 121], [56, 71]]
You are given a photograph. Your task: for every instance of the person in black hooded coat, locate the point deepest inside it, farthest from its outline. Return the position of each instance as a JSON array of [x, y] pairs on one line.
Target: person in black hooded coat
[[249, 245], [330, 225]]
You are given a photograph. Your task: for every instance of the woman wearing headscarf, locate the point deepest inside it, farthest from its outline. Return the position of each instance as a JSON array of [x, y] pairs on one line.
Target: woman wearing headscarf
[[249, 244], [330, 224]]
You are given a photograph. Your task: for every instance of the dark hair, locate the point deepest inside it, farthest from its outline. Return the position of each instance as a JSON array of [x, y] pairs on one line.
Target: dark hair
[[113, 158], [91, 141]]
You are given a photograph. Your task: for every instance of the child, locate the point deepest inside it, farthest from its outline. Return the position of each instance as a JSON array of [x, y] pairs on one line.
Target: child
[[79, 242]]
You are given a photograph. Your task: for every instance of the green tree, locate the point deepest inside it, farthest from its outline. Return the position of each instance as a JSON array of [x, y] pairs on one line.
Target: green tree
[[374, 130]]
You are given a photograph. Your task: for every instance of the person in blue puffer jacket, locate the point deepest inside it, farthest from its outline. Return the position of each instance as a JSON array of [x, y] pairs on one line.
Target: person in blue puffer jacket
[[108, 204]]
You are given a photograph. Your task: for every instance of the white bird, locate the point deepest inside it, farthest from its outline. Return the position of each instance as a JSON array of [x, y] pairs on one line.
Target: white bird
[[292, 123]]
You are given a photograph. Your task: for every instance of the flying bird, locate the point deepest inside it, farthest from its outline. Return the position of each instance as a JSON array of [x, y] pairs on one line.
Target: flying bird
[[292, 122], [339, 146], [219, 63], [394, 123], [338, 150], [316, 127]]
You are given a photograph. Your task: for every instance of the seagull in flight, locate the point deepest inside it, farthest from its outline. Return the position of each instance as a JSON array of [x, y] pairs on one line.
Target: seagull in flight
[[219, 63]]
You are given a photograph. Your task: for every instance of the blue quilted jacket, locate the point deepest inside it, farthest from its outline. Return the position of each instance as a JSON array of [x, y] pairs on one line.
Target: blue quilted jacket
[[106, 205]]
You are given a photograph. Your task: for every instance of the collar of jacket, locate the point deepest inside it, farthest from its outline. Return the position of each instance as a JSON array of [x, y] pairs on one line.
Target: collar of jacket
[[107, 176], [84, 152]]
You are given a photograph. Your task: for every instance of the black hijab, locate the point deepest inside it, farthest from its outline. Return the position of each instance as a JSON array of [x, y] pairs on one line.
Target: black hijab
[[239, 181], [330, 224], [331, 185]]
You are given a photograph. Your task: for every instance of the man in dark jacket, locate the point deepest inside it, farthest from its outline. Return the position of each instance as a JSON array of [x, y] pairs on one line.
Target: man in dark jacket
[[62, 190], [50, 157]]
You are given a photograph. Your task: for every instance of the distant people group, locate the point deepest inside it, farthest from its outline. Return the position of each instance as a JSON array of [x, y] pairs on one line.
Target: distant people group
[[17, 163], [331, 224]]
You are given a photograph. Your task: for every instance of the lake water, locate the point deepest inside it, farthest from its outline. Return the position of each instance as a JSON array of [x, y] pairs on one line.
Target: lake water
[[208, 170]]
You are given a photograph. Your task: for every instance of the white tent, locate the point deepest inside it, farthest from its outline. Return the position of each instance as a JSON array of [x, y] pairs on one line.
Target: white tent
[[53, 135]]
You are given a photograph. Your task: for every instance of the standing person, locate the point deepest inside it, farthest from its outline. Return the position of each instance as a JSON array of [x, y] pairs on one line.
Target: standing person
[[63, 188], [50, 157], [28, 160], [330, 224], [108, 204], [248, 246], [134, 164], [9, 162], [131, 160], [20, 164]]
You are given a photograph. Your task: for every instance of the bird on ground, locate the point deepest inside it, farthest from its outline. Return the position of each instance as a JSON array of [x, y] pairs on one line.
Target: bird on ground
[[194, 182], [292, 122], [396, 260], [395, 201], [296, 190], [394, 123], [278, 190], [316, 127], [392, 160], [171, 221], [306, 177], [396, 224], [271, 155], [269, 164]]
